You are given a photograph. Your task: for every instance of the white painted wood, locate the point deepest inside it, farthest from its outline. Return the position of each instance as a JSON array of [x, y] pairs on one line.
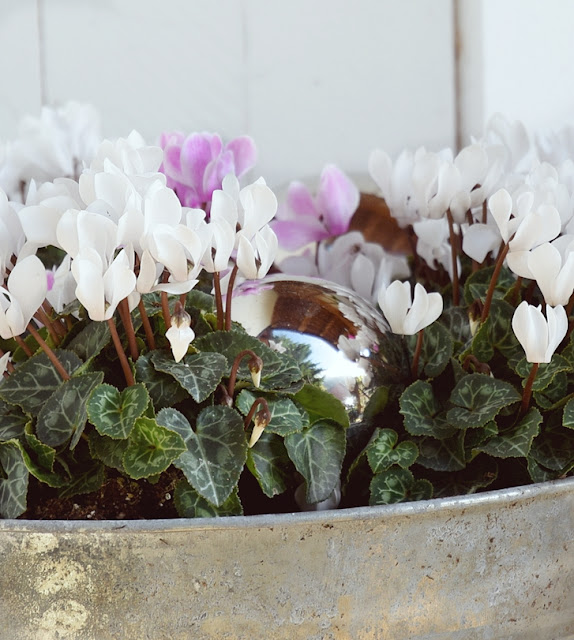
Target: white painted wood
[[312, 82], [520, 55], [19, 64], [149, 65], [330, 80]]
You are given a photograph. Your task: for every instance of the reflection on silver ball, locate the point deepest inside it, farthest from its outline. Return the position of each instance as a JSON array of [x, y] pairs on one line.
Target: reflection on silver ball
[[341, 340]]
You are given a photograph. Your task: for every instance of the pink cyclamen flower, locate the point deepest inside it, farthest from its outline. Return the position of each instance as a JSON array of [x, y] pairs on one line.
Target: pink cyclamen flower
[[196, 165], [308, 219]]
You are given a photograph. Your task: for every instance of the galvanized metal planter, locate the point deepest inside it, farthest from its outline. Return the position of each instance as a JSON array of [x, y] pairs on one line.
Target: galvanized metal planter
[[494, 565]]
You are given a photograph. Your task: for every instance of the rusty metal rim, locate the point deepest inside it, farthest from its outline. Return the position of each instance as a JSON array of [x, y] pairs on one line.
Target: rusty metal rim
[[503, 497]]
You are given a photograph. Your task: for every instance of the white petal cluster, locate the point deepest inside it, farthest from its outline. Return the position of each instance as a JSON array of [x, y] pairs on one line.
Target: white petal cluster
[[407, 315], [539, 336]]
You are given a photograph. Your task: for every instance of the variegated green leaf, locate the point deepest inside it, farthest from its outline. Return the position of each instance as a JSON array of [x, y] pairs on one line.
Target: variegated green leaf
[[317, 453], [516, 442], [35, 380], [383, 451], [269, 462], [164, 390], [215, 453], [422, 411], [12, 421], [391, 486], [199, 373], [477, 399], [151, 449], [64, 416], [13, 480], [190, 504], [114, 413]]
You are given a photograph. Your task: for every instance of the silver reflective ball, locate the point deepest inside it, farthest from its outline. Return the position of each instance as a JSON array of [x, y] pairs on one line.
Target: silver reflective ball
[[340, 340]]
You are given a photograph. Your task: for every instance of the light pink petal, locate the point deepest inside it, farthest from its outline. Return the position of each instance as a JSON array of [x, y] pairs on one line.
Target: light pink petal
[[244, 154], [293, 234], [196, 154], [215, 171], [300, 201], [337, 199]]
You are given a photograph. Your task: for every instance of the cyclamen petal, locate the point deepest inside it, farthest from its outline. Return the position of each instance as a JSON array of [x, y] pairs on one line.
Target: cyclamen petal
[[338, 197], [404, 315], [539, 336]]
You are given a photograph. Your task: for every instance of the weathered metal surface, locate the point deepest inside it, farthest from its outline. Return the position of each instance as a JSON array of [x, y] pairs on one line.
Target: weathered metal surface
[[498, 565]]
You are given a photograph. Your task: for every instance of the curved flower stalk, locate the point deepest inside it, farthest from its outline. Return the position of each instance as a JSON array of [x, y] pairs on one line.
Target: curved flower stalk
[[22, 296], [306, 218], [195, 165]]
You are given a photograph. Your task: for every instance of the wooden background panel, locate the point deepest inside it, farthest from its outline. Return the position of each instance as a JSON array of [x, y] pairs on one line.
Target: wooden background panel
[[312, 82], [331, 80], [149, 65], [19, 64]]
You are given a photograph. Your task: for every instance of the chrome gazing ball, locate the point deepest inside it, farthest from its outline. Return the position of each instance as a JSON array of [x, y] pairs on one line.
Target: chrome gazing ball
[[341, 341]]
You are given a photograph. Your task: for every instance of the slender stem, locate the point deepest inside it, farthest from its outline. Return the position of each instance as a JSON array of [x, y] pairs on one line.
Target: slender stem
[[150, 338], [259, 401], [218, 300], [57, 322], [516, 289], [230, 286], [165, 309], [121, 353], [528, 388], [453, 254], [42, 316], [127, 321], [569, 306], [53, 357], [25, 348], [254, 361], [490, 293], [417, 355]]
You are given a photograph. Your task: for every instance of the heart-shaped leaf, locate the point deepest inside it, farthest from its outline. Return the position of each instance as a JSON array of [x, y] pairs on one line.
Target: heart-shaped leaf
[[151, 449], [383, 451], [317, 453], [164, 390], [215, 453], [190, 504], [34, 381], [390, 486], [14, 483], [64, 415], [422, 411], [477, 399], [269, 463], [199, 373], [516, 442], [114, 413]]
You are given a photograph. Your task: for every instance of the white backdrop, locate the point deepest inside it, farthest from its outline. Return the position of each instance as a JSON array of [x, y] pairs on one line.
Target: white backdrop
[[313, 81]]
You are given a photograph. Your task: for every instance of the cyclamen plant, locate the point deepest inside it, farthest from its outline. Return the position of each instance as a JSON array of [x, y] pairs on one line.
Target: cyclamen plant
[[119, 357]]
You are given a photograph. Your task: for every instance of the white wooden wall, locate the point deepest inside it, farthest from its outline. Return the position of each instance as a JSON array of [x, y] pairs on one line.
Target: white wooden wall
[[313, 81]]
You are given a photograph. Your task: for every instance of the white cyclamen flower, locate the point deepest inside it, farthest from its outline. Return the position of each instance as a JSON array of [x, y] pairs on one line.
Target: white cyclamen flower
[[23, 295], [180, 334], [539, 336], [553, 270], [100, 288], [406, 315], [255, 256]]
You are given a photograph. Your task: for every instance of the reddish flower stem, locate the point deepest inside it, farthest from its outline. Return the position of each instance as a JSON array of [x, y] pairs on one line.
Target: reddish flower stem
[[528, 388], [25, 348], [128, 375], [165, 309], [230, 286], [453, 254], [490, 293], [127, 321], [53, 357], [417, 355], [150, 338], [42, 316], [255, 360], [264, 407]]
